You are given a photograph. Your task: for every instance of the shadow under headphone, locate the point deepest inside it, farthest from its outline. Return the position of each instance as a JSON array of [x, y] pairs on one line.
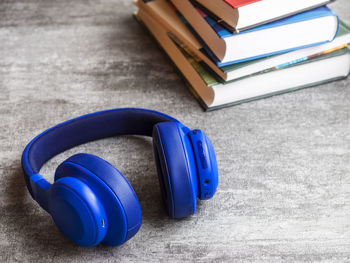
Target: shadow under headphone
[[90, 200]]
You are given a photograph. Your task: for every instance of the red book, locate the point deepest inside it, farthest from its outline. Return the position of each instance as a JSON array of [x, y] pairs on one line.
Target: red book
[[239, 3], [240, 15]]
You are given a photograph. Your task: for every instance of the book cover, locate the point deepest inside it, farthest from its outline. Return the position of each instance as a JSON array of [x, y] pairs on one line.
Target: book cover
[[210, 80], [344, 29], [223, 33], [239, 3]]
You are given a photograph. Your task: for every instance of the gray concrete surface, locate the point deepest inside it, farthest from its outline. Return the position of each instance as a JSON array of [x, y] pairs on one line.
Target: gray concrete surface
[[284, 162]]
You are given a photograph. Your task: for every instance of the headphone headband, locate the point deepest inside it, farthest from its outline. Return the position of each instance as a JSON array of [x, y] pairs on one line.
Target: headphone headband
[[90, 127]]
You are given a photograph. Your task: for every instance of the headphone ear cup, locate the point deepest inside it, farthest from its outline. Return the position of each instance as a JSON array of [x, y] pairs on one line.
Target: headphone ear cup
[[176, 168], [117, 195], [78, 212]]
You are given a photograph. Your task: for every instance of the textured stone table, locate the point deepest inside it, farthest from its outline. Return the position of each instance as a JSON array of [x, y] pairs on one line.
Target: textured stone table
[[284, 162]]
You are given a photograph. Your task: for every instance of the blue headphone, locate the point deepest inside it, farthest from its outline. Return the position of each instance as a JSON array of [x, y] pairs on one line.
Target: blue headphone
[[90, 200]]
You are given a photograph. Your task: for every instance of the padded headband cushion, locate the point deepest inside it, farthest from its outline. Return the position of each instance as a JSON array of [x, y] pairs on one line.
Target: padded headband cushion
[[176, 169], [81, 130], [124, 197], [91, 127]]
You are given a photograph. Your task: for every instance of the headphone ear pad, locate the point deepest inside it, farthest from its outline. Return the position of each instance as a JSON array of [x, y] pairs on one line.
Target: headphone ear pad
[[117, 195], [176, 168]]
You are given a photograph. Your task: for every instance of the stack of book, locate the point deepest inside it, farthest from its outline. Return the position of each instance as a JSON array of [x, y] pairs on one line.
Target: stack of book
[[233, 51]]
